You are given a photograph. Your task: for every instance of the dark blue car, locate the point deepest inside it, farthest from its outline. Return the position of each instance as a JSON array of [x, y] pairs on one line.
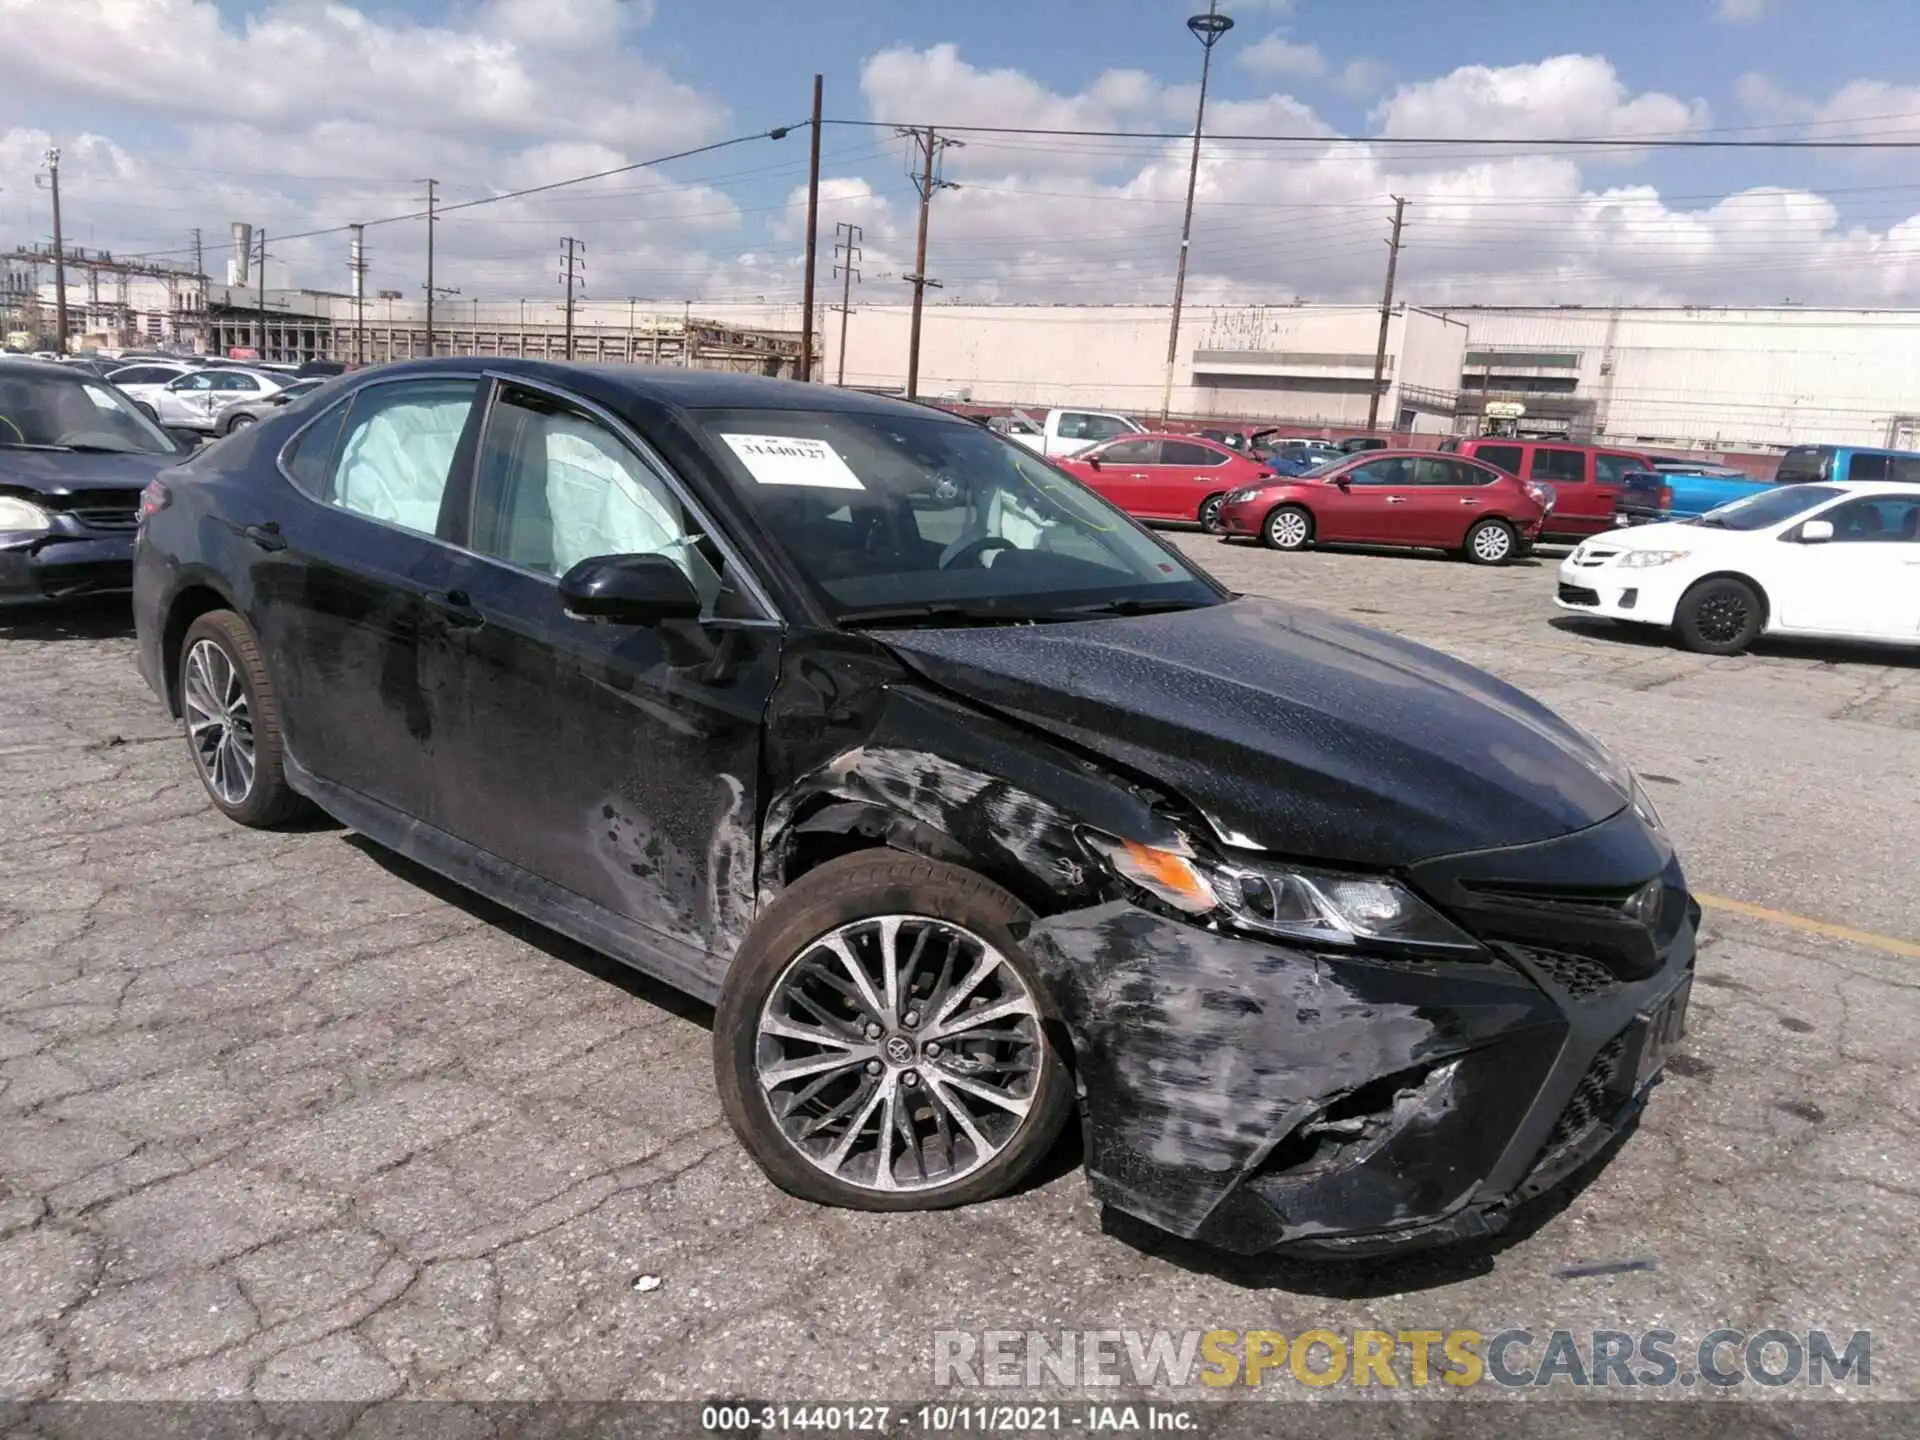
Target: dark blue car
[[74, 456]]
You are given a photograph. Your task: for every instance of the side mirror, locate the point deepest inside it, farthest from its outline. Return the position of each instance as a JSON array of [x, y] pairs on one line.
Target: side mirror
[[629, 590], [1343, 482], [1816, 532], [1094, 461]]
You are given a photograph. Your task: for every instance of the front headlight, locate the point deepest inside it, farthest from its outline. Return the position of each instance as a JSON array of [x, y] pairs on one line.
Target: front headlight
[[1323, 907], [1645, 559], [19, 516]]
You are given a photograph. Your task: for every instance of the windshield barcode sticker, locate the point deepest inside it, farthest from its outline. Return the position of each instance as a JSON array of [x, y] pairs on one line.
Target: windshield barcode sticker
[[793, 460]]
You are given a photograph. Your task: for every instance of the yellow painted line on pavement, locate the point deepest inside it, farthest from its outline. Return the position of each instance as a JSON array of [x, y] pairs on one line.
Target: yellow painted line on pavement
[[1905, 948]]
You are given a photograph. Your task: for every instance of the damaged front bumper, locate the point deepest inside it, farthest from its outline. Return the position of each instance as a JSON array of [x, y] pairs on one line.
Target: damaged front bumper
[[1254, 1096]]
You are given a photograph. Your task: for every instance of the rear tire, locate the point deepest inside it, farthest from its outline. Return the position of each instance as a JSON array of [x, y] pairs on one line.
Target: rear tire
[[885, 1049], [1491, 542], [1209, 516], [238, 422], [231, 717], [1287, 527], [1719, 617]]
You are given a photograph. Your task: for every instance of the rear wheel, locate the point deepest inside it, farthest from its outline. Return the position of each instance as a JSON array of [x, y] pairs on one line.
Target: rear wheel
[[232, 720], [1209, 516], [1719, 617], [881, 1043], [1491, 542], [1287, 528], [239, 422]]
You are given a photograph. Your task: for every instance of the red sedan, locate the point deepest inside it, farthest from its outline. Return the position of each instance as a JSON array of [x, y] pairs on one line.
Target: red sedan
[[1166, 477], [1395, 497]]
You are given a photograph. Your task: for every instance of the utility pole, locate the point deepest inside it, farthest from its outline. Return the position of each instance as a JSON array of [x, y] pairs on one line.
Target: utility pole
[[632, 345], [1207, 29], [574, 258], [686, 338], [260, 353], [432, 186], [848, 272], [929, 147], [1386, 315], [358, 264], [59, 254], [200, 274], [813, 239]]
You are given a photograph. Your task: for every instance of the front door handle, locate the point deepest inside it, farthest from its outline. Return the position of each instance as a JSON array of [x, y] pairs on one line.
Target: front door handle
[[266, 535], [1469, 501], [456, 608], [1396, 499]]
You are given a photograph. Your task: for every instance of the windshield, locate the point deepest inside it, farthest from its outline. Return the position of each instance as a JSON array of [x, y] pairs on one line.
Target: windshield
[[1769, 507], [889, 513], [58, 412]]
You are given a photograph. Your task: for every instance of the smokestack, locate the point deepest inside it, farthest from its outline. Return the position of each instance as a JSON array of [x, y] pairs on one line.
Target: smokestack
[[357, 265], [240, 266]]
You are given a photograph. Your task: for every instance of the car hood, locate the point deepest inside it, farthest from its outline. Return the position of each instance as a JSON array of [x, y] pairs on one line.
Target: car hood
[[66, 472], [1292, 730], [1667, 535]]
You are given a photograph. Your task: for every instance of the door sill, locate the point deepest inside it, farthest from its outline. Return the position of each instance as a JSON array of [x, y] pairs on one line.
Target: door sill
[[695, 972]]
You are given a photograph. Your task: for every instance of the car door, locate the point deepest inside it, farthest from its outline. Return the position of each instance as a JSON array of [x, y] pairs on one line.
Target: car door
[[1187, 474], [1865, 581], [230, 388], [345, 564], [618, 763], [184, 401], [1371, 506], [1577, 509], [1446, 500], [1124, 474]]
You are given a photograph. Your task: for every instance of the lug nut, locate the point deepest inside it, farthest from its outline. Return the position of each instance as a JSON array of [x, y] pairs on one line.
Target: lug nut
[[912, 1017], [874, 1032], [910, 1079], [874, 1067], [933, 1048]]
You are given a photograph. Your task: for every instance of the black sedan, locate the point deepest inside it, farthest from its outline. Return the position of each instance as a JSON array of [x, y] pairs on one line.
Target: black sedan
[[966, 799], [74, 456]]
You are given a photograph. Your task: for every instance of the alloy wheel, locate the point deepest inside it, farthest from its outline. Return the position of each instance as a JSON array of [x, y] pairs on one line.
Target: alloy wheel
[[899, 1053], [1210, 515], [1492, 543], [1722, 616], [219, 722], [1288, 529]]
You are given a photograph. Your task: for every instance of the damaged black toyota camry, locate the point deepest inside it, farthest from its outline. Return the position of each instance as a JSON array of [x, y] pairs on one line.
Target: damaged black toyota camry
[[967, 800]]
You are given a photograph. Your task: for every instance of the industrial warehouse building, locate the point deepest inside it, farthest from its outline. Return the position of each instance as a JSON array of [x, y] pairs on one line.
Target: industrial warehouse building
[[1732, 381]]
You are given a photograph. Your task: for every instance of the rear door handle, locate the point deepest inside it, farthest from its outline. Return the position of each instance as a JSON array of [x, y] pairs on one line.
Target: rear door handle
[[1469, 501], [456, 608], [266, 535], [1396, 499]]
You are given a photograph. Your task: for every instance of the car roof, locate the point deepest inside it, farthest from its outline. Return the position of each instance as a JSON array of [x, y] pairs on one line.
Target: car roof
[[70, 374], [678, 389], [1869, 487]]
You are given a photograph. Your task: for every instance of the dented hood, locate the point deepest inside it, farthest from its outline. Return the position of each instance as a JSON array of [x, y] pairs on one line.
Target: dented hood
[[1291, 729]]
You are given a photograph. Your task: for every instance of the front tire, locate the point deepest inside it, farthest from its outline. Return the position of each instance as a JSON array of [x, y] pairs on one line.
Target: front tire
[[883, 1042], [232, 722], [1719, 617], [1491, 542], [1287, 528]]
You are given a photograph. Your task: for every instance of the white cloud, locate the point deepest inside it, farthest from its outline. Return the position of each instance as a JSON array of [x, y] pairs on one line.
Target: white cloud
[[1277, 55], [1363, 76], [1562, 97], [1740, 12]]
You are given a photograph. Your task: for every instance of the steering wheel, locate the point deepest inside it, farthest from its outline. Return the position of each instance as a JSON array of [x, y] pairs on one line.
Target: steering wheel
[[973, 550]]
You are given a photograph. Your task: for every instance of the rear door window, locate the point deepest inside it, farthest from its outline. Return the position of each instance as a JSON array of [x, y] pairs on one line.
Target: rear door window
[[1866, 467], [399, 449], [1130, 452], [1501, 457], [1614, 469], [1558, 467], [1185, 452]]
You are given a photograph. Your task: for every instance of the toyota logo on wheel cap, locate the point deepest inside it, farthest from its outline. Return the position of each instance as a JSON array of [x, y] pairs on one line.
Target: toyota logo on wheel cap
[[899, 1049]]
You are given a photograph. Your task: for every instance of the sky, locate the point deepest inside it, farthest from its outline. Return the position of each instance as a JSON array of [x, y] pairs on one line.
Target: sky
[[303, 115]]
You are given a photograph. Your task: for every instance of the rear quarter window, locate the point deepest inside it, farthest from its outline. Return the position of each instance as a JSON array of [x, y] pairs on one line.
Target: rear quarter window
[[1501, 457], [308, 459]]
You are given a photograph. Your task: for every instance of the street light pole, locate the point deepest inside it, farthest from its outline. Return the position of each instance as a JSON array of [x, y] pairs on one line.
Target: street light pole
[[1207, 29]]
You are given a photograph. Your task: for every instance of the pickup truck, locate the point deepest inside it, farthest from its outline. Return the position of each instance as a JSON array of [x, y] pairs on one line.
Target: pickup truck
[[1648, 497], [1068, 432]]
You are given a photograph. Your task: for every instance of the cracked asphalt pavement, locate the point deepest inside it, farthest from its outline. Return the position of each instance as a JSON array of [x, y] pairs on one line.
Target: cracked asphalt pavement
[[282, 1116]]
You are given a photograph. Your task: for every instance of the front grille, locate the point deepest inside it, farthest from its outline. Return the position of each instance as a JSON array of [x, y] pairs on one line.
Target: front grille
[[1592, 1097], [1591, 557], [1579, 595], [1581, 976], [100, 517]]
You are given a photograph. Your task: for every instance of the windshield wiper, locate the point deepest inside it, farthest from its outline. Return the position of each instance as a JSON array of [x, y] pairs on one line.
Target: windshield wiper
[[1135, 606], [939, 613]]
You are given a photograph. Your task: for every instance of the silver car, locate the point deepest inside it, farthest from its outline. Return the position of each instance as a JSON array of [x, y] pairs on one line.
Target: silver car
[[247, 412], [200, 400]]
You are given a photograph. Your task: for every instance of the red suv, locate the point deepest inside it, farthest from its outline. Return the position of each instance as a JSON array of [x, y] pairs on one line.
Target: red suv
[[1585, 479], [1165, 477], [1394, 497]]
